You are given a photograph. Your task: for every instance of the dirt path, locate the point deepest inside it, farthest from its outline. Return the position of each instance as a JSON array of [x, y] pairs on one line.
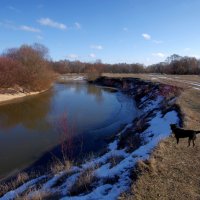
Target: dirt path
[[192, 82]]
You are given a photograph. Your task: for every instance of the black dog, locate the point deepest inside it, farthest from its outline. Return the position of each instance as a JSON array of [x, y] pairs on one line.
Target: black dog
[[181, 133]]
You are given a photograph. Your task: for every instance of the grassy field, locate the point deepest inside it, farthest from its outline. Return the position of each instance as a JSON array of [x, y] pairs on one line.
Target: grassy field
[[173, 170]]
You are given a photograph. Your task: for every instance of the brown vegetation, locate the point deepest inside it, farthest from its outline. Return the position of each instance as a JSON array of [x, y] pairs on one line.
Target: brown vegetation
[[174, 64], [26, 68], [84, 182], [20, 179]]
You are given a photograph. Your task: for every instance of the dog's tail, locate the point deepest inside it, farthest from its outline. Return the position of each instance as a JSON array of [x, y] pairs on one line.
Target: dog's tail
[[197, 132]]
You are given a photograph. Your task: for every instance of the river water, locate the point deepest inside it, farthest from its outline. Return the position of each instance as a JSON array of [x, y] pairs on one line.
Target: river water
[[34, 125]]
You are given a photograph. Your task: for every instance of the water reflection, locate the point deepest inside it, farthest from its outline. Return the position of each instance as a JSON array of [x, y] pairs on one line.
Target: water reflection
[[97, 92], [29, 113]]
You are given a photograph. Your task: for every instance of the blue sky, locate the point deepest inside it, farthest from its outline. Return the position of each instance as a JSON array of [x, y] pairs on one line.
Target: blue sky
[[145, 31]]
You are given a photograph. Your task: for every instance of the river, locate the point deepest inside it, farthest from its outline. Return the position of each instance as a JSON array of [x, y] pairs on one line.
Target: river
[[32, 126]]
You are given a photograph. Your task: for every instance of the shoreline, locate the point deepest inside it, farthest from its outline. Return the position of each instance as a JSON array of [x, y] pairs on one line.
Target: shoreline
[[12, 98]]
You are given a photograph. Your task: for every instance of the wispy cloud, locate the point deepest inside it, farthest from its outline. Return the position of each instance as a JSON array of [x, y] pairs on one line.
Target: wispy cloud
[[92, 55], [51, 23], [40, 6], [158, 41], [187, 49], [14, 9], [77, 25], [146, 36], [10, 25], [39, 37], [125, 29], [29, 29], [195, 56], [72, 56], [97, 47], [159, 55]]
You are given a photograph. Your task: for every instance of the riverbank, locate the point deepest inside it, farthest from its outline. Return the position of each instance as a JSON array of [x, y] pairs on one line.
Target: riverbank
[[172, 172], [110, 174], [10, 98]]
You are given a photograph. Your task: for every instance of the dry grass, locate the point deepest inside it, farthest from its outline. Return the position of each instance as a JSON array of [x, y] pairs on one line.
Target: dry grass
[[173, 170], [190, 105], [59, 166], [19, 180], [84, 183], [38, 195], [171, 173]]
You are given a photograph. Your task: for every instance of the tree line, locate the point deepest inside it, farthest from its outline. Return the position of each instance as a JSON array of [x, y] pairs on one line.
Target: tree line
[[30, 67], [174, 64]]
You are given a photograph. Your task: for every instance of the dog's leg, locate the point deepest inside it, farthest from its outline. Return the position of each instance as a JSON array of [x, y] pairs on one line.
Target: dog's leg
[[189, 140], [193, 142], [177, 140]]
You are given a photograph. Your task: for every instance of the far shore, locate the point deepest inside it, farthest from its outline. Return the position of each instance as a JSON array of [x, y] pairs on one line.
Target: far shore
[[10, 98]]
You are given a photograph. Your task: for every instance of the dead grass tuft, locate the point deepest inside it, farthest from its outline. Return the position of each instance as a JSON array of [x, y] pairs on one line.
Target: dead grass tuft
[[37, 195], [84, 183], [59, 166]]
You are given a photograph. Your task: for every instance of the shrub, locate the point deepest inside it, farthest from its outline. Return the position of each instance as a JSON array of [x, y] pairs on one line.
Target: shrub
[[27, 66]]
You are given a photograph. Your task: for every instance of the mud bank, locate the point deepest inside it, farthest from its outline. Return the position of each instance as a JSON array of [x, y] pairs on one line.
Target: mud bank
[[111, 173]]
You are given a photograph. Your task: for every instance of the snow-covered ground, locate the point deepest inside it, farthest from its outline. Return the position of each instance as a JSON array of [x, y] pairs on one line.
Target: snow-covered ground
[[110, 179], [72, 78]]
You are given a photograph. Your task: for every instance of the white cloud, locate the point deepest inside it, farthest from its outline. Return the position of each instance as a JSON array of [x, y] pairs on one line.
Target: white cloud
[[125, 29], [97, 47], [29, 29], [146, 36], [159, 55], [51, 23], [72, 56], [77, 25], [92, 55]]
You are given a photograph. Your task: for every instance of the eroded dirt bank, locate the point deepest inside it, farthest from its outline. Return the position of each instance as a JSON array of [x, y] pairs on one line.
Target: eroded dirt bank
[[111, 174]]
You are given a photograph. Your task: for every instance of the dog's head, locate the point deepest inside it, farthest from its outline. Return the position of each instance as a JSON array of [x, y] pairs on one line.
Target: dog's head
[[173, 126]]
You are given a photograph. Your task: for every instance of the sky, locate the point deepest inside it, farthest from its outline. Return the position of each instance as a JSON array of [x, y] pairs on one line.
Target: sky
[[115, 31]]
